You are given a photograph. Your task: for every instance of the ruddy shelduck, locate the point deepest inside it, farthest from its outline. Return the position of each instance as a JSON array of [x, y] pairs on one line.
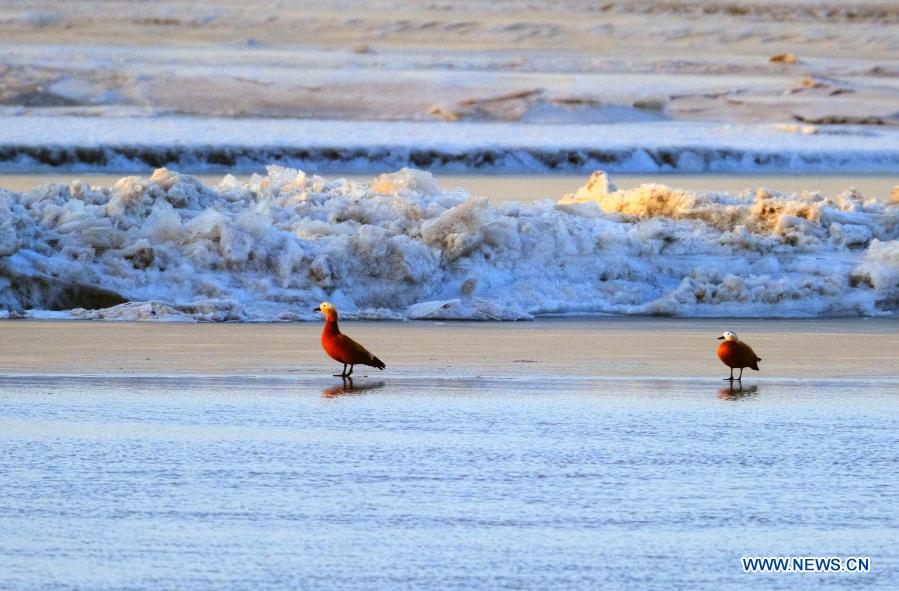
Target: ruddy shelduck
[[736, 354], [341, 347]]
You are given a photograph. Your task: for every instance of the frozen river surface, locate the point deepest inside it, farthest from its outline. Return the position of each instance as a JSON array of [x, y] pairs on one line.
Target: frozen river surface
[[438, 483]]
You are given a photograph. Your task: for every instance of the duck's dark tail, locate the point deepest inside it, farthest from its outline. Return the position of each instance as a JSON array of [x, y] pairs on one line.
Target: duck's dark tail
[[375, 362]]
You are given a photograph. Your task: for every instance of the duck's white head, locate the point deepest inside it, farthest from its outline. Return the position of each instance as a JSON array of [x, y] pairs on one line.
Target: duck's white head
[[328, 309], [729, 336]]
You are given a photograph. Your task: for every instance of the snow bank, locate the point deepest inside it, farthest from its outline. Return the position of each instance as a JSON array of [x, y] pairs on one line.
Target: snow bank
[[169, 247]]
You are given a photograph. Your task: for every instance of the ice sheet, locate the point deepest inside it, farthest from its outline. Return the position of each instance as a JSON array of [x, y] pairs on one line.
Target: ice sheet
[[44, 143]]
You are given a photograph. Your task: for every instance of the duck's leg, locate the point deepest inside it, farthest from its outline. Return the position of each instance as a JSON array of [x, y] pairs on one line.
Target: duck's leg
[[731, 378], [342, 374], [351, 371], [740, 379]]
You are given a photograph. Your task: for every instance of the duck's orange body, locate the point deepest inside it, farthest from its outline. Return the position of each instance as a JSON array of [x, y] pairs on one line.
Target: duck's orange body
[[737, 355], [341, 347]]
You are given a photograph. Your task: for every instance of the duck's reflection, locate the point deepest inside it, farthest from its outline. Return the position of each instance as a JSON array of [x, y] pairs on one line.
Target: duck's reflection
[[737, 392], [349, 388]]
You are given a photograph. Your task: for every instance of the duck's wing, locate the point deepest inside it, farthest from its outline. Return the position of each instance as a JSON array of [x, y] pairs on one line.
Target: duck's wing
[[749, 356], [752, 353], [359, 354]]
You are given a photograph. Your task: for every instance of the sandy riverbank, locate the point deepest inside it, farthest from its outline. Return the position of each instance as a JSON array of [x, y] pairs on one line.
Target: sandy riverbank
[[499, 188], [612, 347]]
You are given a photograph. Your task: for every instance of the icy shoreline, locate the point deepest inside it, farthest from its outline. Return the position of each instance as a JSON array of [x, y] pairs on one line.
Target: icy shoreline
[[169, 247], [137, 144]]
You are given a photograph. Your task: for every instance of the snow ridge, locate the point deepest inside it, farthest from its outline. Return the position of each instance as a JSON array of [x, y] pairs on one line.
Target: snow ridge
[[168, 247]]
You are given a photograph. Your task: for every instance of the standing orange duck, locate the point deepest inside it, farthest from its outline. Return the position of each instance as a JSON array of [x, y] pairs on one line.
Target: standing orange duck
[[341, 347], [734, 353]]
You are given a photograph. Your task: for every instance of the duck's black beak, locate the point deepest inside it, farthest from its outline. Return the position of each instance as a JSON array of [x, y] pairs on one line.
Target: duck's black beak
[[319, 309], [720, 338]]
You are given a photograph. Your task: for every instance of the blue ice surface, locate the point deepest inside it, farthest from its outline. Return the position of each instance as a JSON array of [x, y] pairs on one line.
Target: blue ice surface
[[477, 483]]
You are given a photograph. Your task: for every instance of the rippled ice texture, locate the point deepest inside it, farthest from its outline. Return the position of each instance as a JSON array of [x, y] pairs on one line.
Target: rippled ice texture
[[452, 484], [401, 247]]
